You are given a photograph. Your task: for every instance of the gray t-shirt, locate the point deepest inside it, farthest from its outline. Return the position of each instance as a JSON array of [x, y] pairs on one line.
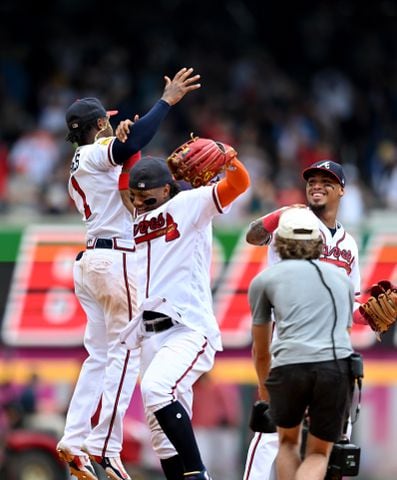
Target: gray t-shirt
[[303, 310]]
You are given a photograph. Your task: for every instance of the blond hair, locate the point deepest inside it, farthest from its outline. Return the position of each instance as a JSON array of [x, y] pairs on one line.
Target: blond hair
[[288, 248]]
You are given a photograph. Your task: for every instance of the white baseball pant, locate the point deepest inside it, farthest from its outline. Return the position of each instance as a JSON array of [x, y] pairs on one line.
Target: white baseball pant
[[262, 452], [171, 362], [104, 285]]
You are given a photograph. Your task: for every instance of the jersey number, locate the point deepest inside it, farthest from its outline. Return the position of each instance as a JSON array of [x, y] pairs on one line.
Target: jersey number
[[76, 186]]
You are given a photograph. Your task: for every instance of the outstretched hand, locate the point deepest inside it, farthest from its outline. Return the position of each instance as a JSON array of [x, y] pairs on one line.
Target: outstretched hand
[[123, 128], [182, 83], [174, 90]]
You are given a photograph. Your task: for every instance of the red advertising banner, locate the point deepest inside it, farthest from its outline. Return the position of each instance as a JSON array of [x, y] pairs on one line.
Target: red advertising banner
[[42, 309]]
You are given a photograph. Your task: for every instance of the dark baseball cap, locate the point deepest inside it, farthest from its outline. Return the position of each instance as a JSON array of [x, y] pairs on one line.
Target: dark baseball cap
[[85, 110], [328, 166], [150, 172]]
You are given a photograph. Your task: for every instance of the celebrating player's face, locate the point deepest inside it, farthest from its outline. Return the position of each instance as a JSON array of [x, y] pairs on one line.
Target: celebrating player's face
[[146, 200], [323, 189]]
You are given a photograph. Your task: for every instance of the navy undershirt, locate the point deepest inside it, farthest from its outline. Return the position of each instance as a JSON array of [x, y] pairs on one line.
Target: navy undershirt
[[332, 230], [141, 132]]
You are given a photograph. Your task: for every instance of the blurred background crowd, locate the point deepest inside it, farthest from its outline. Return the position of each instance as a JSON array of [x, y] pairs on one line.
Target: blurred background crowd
[[285, 85]]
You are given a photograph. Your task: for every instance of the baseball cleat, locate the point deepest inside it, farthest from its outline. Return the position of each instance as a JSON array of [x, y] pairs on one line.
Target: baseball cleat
[[203, 475], [113, 467], [79, 465]]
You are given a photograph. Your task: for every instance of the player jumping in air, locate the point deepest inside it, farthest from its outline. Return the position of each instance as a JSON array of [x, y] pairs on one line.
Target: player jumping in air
[[104, 277]]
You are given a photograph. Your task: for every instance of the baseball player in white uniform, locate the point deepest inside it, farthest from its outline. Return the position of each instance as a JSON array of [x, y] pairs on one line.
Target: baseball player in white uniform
[[178, 334], [324, 189], [104, 278]]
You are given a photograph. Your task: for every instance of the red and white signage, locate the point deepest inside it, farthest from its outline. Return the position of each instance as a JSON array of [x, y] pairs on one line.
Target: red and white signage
[[42, 309]]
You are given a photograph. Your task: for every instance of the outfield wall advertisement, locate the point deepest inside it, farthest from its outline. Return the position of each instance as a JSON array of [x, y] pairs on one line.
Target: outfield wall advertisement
[[39, 308]]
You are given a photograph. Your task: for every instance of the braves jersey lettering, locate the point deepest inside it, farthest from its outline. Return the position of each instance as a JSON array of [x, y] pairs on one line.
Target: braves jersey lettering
[[336, 252], [338, 263], [179, 231], [147, 230], [341, 257]]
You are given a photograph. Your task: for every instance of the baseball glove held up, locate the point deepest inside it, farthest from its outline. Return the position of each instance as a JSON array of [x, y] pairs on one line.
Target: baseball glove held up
[[199, 160], [380, 310]]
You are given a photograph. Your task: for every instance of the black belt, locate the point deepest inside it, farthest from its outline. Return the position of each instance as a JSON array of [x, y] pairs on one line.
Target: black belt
[[159, 325], [156, 322], [111, 243], [104, 243]]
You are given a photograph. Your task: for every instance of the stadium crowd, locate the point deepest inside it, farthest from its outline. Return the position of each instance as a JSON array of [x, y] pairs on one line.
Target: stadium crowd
[[285, 91]]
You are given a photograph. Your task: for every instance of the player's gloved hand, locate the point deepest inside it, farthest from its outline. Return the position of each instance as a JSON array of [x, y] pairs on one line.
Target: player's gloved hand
[[260, 419], [199, 160], [380, 310], [230, 154]]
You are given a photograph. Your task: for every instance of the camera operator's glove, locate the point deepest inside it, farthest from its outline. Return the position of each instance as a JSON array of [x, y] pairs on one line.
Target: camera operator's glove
[[260, 419], [380, 310]]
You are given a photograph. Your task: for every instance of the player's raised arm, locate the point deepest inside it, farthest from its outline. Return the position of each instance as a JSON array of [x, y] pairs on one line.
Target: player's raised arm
[[235, 182], [260, 230], [133, 136], [257, 234], [182, 83]]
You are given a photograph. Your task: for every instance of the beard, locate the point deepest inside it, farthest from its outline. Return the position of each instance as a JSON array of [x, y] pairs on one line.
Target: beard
[[317, 209]]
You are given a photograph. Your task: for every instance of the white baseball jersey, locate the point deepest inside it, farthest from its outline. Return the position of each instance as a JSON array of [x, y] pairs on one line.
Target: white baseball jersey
[[341, 250], [104, 283], [174, 245], [93, 185], [173, 249]]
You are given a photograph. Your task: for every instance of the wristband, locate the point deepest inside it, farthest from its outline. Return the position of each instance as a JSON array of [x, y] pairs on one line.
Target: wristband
[[270, 221], [132, 160], [124, 181]]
